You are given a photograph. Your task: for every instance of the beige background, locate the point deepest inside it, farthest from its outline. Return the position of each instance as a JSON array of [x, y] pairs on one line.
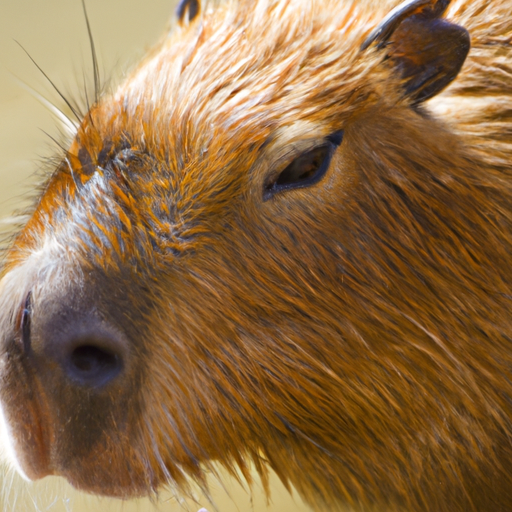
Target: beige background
[[54, 33]]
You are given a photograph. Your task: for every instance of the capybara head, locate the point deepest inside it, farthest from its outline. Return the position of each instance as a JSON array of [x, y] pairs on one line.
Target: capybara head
[[284, 241]]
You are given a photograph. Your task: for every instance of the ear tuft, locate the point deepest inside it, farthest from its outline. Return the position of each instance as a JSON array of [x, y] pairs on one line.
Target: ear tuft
[[427, 51], [187, 9]]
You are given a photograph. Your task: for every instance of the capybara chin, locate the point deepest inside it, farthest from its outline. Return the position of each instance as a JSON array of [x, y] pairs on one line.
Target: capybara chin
[[285, 241]]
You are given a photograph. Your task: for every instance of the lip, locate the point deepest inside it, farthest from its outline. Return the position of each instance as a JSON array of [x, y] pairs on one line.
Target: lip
[[36, 452], [22, 416]]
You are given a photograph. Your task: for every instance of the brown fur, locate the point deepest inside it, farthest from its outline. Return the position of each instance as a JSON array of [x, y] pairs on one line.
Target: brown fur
[[355, 336]]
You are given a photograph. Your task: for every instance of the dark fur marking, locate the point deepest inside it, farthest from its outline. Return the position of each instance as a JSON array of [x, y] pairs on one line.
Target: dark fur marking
[[88, 167], [192, 6]]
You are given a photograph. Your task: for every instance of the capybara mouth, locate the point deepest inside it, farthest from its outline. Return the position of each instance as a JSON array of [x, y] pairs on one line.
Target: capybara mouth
[[22, 431]]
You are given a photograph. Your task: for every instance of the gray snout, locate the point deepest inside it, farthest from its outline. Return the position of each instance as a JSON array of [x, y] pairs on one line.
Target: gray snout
[[70, 380], [92, 356], [86, 348]]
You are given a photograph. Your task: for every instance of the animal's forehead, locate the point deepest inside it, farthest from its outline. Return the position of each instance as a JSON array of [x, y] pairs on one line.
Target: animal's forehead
[[249, 66], [244, 75]]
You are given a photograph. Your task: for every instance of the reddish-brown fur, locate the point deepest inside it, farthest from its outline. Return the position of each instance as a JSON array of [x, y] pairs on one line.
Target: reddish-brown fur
[[355, 335]]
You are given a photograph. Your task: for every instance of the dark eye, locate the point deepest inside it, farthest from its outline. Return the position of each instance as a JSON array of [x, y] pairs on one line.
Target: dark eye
[[306, 169]]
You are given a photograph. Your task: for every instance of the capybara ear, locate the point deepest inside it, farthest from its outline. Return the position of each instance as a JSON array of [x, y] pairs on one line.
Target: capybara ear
[[187, 10], [427, 51]]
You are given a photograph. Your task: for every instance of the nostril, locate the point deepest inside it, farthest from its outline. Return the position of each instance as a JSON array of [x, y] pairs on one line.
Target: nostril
[[87, 349], [93, 362]]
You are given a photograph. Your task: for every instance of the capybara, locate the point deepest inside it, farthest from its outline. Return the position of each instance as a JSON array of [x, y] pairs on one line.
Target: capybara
[[285, 241]]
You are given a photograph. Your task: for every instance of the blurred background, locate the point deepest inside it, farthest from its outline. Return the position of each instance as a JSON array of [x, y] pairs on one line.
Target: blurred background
[[54, 33]]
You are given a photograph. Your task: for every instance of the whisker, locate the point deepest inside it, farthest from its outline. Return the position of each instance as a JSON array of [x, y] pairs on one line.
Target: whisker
[[14, 219], [157, 454], [70, 125], [94, 56], [68, 103], [87, 102], [55, 141]]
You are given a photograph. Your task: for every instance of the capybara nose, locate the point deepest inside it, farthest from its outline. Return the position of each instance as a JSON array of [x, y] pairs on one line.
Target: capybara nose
[[89, 350], [92, 360]]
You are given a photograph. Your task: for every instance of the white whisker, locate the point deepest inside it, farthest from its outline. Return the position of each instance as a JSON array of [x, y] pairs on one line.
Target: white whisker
[[70, 125], [14, 219]]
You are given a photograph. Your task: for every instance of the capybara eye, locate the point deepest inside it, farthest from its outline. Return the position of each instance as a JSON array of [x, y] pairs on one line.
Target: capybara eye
[[307, 169]]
